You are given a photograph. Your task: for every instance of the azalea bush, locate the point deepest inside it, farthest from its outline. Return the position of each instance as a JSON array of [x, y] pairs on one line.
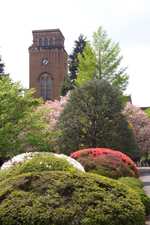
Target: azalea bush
[[106, 162], [38, 162]]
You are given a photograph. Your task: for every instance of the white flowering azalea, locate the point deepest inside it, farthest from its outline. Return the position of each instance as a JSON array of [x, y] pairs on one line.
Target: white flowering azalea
[[71, 161], [18, 159], [29, 155]]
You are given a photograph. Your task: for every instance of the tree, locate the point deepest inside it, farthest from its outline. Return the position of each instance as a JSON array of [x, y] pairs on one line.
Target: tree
[[141, 125], [22, 125], [2, 71], [93, 118], [102, 61], [73, 64], [55, 109], [2, 65]]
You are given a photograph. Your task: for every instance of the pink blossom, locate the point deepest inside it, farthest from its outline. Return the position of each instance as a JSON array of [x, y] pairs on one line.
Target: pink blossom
[[141, 125], [55, 109]]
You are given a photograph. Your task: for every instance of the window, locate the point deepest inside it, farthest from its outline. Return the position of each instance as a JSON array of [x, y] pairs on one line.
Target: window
[[48, 87], [40, 41], [45, 41], [51, 41], [45, 87]]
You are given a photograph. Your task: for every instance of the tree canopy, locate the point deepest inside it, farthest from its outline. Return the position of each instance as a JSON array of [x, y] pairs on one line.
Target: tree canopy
[[101, 60], [2, 65], [141, 125], [73, 64], [22, 125], [2, 70], [93, 118]]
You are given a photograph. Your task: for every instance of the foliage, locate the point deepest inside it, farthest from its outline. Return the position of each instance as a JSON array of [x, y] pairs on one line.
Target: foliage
[[68, 198], [137, 185], [66, 86], [2, 65], [106, 162], [38, 162], [21, 124], [93, 118], [141, 125], [102, 61], [2, 70], [145, 159], [73, 64], [147, 111]]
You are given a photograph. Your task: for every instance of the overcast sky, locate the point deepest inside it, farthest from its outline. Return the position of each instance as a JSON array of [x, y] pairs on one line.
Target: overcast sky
[[125, 21]]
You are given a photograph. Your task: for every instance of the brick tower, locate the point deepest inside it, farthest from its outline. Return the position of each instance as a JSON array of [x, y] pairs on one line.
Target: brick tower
[[47, 63]]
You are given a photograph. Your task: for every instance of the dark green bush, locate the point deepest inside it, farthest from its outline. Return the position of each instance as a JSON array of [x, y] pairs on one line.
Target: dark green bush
[[137, 185], [65, 198]]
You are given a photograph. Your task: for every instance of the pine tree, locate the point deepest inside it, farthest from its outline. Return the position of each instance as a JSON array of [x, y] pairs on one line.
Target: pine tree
[[93, 118], [2, 71], [73, 64], [2, 65]]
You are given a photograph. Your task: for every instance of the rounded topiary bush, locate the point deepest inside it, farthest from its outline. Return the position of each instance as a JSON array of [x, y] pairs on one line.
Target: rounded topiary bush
[[106, 162], [60, 197], [38, 162], [137, 185]]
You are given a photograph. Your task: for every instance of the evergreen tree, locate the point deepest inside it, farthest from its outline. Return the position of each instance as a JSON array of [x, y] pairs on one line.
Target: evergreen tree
[[2, 71], [102, 61], [2, 65], [73, 64], [93, 118]]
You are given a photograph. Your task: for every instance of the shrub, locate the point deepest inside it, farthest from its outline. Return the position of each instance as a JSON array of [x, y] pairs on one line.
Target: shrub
[[106, 162], [137, 185], [59, 197], [38, 162]]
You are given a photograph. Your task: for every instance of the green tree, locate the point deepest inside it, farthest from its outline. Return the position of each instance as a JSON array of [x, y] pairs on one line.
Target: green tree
[[1, 66], [147, 111], [93, 118], [102, 61], [2, 71], [22, 127], [73, 64]]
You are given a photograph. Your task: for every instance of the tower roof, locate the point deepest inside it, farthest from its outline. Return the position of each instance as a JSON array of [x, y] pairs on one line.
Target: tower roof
[[48, 31]]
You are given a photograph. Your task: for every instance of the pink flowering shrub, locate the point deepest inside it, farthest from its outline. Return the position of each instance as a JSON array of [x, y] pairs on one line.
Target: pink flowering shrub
[[106, 162]]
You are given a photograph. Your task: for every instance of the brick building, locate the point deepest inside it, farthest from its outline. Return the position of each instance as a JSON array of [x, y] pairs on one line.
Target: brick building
[[47, 63]]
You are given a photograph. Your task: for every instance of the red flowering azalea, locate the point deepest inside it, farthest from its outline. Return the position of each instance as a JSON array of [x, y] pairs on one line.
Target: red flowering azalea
[[106, 162]]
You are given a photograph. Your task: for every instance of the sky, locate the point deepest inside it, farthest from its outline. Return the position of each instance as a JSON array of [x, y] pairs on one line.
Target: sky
[[125, 21]]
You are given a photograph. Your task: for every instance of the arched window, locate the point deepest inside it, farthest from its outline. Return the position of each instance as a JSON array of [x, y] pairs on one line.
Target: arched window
[[43, 87], [51, 41], [45, 41], [48, 87], [40, 41]]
